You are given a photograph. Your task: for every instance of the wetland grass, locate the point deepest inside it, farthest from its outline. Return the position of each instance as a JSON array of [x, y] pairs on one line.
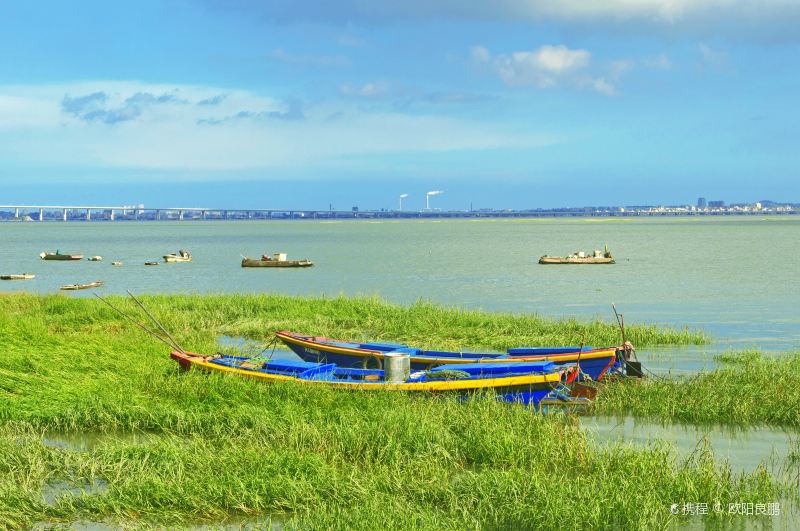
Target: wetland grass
[[748, 389], [219, 447]]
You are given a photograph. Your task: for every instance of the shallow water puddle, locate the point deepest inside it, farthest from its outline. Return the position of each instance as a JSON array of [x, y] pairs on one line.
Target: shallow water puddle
[[744, 448], [54, 490], [86, 441]]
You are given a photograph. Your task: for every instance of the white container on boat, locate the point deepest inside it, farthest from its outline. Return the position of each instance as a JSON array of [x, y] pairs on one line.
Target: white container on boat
[[581, 254], [396, 367], [280, 257]]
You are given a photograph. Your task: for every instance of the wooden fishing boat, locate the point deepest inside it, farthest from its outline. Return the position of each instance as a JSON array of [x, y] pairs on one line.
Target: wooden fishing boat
[[58, 256], [151, 263], [180, 256], [594, 362], [580, 258], [73, 287], [575, 260], [95, 258], [527, 383], [116, 263], [21, 276], [265, 261]]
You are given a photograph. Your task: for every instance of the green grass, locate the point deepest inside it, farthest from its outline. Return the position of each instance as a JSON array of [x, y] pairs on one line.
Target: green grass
[[424, 324], [220, 447], [748, 389]]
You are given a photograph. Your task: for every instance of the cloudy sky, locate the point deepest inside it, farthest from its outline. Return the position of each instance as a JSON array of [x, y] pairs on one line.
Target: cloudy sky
[[306, 104]]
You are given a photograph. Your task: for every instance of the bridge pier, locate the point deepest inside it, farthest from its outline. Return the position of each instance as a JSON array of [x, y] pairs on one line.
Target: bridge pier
[[112, 214], [65, 214], [180, 215], [41, 214], [16, 212], [158, 215], [88, 215]]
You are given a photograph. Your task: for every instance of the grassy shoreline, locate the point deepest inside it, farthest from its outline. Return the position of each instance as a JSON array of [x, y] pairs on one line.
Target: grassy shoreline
[[748, 389], [220, 447]]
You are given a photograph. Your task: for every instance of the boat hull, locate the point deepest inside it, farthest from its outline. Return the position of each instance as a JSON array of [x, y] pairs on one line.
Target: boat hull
[[61, 257], [594, 363], [589, 260], [74, 287], [524, 388], [252, 262], [23, 276]]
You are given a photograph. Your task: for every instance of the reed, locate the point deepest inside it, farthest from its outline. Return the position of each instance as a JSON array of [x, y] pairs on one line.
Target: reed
[[748, 389], [156, 446]]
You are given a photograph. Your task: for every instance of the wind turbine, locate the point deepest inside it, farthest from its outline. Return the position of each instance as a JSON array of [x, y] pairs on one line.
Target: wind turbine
[[402, 196], [428, 195]]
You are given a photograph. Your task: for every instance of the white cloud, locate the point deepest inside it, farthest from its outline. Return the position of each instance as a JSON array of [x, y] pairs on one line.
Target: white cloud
[[542, 67], [746, 18], [193, 128], [548, 67]]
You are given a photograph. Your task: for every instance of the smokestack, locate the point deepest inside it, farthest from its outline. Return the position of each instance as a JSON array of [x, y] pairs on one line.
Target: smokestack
[[428, 195]]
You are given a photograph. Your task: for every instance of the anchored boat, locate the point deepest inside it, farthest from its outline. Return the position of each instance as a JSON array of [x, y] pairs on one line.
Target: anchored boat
[[594, 362], [58, 256], [527, 383], [580, 257], [180, 256], [21, 276], [277, 260], [73, 287]]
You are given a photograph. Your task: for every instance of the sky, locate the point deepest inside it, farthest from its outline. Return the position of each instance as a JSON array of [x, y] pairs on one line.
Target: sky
[[320, 103]]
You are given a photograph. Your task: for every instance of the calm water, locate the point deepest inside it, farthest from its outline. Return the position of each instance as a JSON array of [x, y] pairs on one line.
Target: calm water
[[738, 279]]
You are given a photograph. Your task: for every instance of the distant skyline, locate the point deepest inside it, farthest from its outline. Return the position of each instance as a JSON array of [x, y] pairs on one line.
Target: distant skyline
[[504, 104]]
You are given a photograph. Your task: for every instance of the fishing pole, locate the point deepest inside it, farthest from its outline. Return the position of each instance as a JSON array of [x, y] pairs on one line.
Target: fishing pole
[[156, 322], [134, 321]]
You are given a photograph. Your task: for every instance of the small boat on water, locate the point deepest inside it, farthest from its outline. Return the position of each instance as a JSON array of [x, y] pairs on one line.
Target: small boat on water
[[58, 256], [21, 276], [580, 257], [116, 263], [594, 362], [277, 260], [73, 287], [95, 258], [152, 262], [526, 383], [180, 256]]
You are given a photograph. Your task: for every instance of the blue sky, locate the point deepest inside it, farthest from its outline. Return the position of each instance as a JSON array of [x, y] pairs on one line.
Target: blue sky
[[504, 104]]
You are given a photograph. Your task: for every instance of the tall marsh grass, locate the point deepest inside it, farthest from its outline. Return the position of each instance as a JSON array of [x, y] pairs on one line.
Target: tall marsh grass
[[748, 389], [220, 447]]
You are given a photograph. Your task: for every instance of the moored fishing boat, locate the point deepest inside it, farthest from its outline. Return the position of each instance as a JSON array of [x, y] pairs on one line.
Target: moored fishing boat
[[181, 256], [580, 257], [95, 258], [151, 263], [277, 260], [21, 276], [73, 287], [527, 383], [594, 362], [58, 256]]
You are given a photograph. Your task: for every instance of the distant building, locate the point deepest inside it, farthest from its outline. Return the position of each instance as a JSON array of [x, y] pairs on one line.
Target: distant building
[[701, 202], [716, 204]]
